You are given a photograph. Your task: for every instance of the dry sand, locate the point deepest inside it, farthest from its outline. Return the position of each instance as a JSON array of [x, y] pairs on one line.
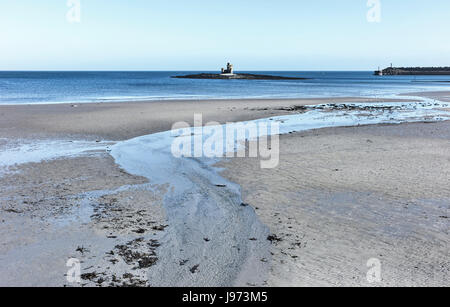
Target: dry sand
[[338, 198]]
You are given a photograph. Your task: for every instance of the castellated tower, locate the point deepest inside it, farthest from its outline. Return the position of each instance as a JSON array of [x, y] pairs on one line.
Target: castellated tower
[[229, 69]]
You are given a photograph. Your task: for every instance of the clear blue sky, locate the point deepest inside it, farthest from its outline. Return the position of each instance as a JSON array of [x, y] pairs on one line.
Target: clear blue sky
[[203, 34]]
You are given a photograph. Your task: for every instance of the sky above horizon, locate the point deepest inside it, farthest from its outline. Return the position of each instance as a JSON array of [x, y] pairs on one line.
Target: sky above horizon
[[203, 35]]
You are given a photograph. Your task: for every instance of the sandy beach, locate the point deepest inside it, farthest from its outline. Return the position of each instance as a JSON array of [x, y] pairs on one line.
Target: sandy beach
[[339, 197], [121, 121], [224, 152], [342, 196]]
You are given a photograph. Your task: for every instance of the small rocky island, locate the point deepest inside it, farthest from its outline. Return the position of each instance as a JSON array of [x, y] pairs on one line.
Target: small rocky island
[[228, 74]]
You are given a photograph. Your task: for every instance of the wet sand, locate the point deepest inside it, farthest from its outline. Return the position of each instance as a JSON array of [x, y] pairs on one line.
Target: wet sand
[[121, 121], [440, 96], [84, 208], [90, 209], [342, 196]]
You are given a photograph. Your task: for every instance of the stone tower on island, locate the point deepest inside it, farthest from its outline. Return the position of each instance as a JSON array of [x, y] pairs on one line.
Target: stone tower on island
[[228, 70]]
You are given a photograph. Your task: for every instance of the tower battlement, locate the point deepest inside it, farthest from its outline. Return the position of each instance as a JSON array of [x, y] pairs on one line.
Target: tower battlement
[[229, 70]]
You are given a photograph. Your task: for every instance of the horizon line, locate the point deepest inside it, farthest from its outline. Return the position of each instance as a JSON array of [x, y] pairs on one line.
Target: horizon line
[[183, 70]]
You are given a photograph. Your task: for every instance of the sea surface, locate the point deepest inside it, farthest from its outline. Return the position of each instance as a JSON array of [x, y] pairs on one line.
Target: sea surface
[[22, 87]]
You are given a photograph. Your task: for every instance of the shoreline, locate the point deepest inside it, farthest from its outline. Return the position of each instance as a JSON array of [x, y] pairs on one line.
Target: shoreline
[[125, 100], [225, 99], [122, 121], [128, 238]]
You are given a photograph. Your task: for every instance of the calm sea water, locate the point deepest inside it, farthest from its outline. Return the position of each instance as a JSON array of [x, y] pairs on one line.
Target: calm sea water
[[54, 87]]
